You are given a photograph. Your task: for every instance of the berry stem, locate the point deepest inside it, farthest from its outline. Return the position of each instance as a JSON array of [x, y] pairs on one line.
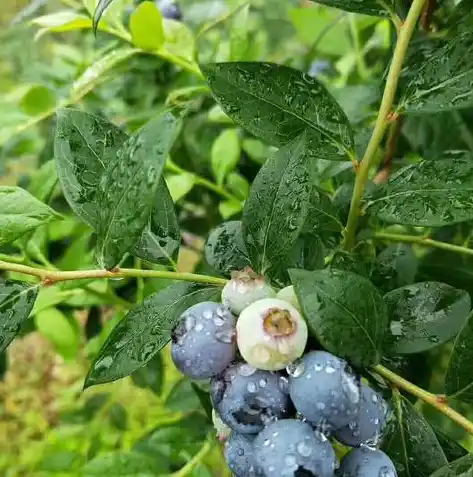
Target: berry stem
[[423, 241], [382, 121], [436, 401], [52, 276]]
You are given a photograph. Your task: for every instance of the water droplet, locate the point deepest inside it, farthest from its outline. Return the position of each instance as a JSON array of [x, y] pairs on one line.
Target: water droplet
[[350, 386], [386, 472], [303, 449], [308, 376], [283, 384], [240, 452], [221, 312], [199, 327], [246, 370], [320, 406], [266, 442], [207, 314], [271, 468], [189, 323], [318, 367], [225, 336], [251, 387], [329, 369], [374, 398], [275, 434], [263, 382], [295, 369], [218, 321]]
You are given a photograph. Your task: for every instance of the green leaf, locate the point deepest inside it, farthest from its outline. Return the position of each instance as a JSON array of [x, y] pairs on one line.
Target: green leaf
[[16, 302], [37, 100], [452, 449], [367, 7], [43, 181], [239, 33], [159, 243], [145, 331], [459, 377], [395, 267], [65, 20], [277, 103], [229, 208], [118, 416], [84, 146], [411, 443], [179, 41], [20, 213], [180, 185], [124, 464], [150, 376], [344, 311], [146, 26], [238, 185], [438, 76], [182, 397], [276, 209], [462, 467], [429, 194], [99, 11], [225, 154], [130, 185], [62, 331], [225, 248], [425, 315]]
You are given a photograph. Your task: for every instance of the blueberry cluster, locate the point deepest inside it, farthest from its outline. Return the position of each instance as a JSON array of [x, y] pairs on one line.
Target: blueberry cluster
[[277, 405]]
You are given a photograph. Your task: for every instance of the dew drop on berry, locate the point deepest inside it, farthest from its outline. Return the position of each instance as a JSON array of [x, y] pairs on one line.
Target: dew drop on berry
[[246, 370], [251, 387], [283, 384], [189, 323], [318, 367], [207, 314], [386, 472], [374, 398], [225, 336], [266, 442], [199, 327], [329, 369], [303, 449], [290, 460], [320, 406], [218, 321], [295, 369], [262, 383]]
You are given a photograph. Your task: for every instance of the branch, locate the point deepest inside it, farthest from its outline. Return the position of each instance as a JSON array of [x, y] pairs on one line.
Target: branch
[[53, 276], [382, 120], [423, 241], [196, 460], [435, 400]]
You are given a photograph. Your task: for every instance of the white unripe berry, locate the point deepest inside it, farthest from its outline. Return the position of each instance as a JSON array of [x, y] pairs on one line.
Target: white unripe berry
[[245, 288], [288, 294], [271, 334]]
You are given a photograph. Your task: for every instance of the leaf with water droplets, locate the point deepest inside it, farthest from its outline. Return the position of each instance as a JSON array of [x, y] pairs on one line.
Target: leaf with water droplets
[[438, 75], [424, 315], [21, 213], [145, 331], [16, 302], [344, 311], [84, 145], [225, 248], [462, 467], [427, 194], [277, 103], [459, 377], [160, 240], [129, 187], [278, 219], [411, 442], [378, 8]]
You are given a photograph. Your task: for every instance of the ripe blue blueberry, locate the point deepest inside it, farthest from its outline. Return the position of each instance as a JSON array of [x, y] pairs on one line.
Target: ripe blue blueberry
[[366, 462], [240, 456], [324, 390], [368, 425], [169, 9], [291, 448], [245, 288], [271, 333], [203, 340], [247, 399]]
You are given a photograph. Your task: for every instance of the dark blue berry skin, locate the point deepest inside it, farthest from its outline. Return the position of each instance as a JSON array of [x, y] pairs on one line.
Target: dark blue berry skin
[[324, 391], [291, 448], [247, 399], [169, 9], [203, 340], [366, 462], [368, 425], [240, 456]]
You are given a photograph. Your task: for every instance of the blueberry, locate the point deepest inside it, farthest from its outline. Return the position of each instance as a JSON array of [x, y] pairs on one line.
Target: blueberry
[[317, 67], [368, 425], [203, 340], [247, 399], [169, 9], [324, 391], [366, 462], [240, 456], [271, 333], [245, 288], [291, 448]]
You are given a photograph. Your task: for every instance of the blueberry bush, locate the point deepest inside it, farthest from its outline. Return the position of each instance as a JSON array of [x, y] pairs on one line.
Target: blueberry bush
[[275, 199]]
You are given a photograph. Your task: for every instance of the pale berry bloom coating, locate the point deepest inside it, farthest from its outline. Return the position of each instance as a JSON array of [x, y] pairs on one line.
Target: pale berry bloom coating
[[244, 288], [271, 334]]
